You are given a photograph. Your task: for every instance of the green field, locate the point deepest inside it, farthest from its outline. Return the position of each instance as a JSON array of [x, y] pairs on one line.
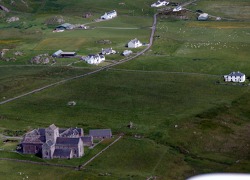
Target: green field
[[188, 122]]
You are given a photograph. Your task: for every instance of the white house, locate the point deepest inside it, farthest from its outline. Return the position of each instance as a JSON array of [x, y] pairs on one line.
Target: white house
[[109, 15], [178, 8], [235, 77], [127, 52], [108, 51], [134, 43], [160, 3], [94, 59]]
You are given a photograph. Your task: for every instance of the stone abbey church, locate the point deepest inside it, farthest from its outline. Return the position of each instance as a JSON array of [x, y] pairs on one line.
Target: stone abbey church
[[54, 142]]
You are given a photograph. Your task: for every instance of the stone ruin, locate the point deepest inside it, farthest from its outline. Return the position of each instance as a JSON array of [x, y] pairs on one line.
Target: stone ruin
[[41, 59]]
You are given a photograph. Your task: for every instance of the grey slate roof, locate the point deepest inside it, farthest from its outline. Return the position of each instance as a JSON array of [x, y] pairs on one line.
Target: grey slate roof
[[87, 139], [57, 53], [100, 132], [62, 152], [49, 143], [236, 74], [70, 141]]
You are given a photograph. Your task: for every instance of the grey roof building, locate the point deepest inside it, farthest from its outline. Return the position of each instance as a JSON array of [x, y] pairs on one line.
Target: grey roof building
[[48, 141], [100, 133]]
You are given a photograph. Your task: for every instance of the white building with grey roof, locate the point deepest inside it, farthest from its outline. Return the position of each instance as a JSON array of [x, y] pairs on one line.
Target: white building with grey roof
[[235, 77], [109, 15], [134, 43]]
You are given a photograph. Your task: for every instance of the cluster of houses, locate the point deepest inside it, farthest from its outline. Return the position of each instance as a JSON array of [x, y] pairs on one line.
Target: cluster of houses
[[160, 3], [98, 58], [54, 142]]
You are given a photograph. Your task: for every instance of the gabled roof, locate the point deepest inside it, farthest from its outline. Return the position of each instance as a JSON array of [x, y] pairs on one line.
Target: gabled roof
[[71, 132], [236, 74], [70, 141], [87, 139], [48, 143], [62, 152], [111, 12], [134, 41], [52, 127], [57, 53], [100, 132]]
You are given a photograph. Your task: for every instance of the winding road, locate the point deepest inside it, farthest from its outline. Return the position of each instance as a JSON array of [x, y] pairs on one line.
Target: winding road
[[92, 72]]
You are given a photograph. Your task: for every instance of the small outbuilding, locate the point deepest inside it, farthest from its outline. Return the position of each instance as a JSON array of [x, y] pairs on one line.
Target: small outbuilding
[[101, 133], [127, 52], [203, 17], [235, 77], [57, 53], [108, 51]]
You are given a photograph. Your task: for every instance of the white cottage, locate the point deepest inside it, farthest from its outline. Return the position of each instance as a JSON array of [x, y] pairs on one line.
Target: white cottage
[[235, 77], [134, 43], [108, 51], [160, 3], [94, 58], [109, 15]]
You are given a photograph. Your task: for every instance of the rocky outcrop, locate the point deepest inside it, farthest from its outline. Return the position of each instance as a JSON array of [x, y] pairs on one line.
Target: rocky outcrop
[[12, 19], [41, 59], [55, 20]]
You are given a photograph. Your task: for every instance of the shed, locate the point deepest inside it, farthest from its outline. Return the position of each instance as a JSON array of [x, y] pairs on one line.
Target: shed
[[57, 53], [100, 133], [203, 17]]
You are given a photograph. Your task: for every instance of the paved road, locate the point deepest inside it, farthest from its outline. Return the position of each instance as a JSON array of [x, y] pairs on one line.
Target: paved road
[[92, 72]]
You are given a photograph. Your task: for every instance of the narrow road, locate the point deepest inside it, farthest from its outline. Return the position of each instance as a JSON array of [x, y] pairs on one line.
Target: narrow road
[[92, 72], [98, 154]]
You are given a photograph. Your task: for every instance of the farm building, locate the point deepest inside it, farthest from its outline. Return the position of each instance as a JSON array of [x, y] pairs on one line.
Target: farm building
[[235, 77], [109, 15], [203, 17], [57, 53], [87, 140], [134, 43], [65, 26], [108, 51], [68, 54], [100, 133], [160, 3], [94, 58], [60, 53]]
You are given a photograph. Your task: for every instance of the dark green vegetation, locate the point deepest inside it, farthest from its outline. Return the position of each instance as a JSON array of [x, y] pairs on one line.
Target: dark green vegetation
[[187, 123]]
